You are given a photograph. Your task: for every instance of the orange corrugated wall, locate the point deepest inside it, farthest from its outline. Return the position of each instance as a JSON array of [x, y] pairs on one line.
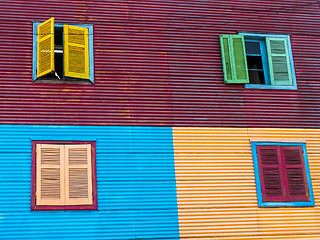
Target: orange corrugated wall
[[216, 188]]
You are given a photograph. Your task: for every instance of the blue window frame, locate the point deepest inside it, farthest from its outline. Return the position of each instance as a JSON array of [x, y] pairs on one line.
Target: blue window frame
[[280, 174], [258, 54], [58, 27]]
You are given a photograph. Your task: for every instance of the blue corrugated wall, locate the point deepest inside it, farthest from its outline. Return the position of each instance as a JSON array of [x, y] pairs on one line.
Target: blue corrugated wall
[[135, 181]]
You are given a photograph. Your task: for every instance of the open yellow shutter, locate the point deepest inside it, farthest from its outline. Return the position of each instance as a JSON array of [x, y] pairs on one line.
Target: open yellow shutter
[[45, 48], [50, 175], [78, 174], [76, 52]]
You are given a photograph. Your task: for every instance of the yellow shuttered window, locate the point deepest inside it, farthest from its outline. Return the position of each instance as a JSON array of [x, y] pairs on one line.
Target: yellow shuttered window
[[64, 175], [45, 48], [76, 52]]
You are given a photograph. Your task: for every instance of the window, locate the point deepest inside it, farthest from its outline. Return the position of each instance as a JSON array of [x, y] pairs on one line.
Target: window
[[62, 52], [63, 176], [282, 175], [258, 60]]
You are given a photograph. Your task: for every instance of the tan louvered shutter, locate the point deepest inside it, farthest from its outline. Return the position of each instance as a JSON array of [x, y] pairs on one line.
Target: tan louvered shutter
[[78, 174], [49, 175], [45, 48], [76, 52]]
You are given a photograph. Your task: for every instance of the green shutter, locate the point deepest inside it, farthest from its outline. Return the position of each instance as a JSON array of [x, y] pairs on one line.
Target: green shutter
[[279, 61], [234, 59]]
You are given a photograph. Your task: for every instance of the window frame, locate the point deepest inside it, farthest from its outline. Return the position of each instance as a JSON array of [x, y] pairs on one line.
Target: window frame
[[253, 36], [261, 203], [63, 80], [35, 207]]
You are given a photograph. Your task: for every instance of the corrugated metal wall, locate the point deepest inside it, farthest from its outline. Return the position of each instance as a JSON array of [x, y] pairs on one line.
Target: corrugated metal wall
[[136, 185], [216, 188], [159, 63]]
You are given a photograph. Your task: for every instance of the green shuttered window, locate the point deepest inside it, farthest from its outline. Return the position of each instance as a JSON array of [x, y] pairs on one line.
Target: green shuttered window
[[258, 60], [282, 175]]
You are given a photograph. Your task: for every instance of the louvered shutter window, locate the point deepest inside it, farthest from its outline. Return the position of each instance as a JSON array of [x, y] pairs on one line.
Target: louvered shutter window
[[64, 175], [234, 59], [295, 171], [45, 48], [282, 174], [279, 61], [76, 52]]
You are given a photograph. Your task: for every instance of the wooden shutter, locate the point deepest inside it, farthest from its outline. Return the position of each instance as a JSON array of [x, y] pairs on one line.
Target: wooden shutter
[[78, 174], [297, 187], [279, 61], [45, 48], [234, 59], [49, 175], [271, 178], [76, 52]]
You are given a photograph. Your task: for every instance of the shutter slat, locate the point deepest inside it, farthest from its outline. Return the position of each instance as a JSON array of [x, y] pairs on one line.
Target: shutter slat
[[76, 52], [45, 48], [279, 61]]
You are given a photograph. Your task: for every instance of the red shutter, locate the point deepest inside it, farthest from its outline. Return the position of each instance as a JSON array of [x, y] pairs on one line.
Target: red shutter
[[296, 185], [272, 182]]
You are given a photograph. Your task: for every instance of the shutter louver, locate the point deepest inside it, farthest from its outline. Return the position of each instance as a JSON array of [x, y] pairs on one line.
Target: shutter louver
[[295, 170], [76, 52], [45, 48], [270, 174], [234, 59], [279, 61], [50, 185], [78, 174]]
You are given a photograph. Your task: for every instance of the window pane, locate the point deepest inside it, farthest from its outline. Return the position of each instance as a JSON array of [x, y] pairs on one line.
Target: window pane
[[254, 62], [256, 77], [253, 48]]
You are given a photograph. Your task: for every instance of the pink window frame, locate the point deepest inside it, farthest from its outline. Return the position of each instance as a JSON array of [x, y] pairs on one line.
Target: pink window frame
[[93, 206]]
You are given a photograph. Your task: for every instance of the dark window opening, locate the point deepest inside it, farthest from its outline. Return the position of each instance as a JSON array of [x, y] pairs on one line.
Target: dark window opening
[[254, 62]]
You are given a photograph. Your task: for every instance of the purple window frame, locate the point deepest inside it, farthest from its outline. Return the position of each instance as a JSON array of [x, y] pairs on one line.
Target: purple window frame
[[35, 207]]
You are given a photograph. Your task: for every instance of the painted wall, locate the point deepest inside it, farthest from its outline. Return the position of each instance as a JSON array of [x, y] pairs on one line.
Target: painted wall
[[216, 188], [158, 183], [159, 64], [135, 183]]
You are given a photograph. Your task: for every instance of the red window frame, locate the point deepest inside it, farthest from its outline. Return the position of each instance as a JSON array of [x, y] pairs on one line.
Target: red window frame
[[35, 207], [278, 177]]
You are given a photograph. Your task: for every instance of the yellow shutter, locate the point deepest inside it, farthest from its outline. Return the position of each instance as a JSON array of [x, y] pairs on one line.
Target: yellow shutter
[[49, 175], [78, 177], [45, 48], [76, 52]]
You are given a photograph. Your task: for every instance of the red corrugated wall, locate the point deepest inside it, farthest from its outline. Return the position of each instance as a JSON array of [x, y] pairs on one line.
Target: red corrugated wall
[[158, 63]]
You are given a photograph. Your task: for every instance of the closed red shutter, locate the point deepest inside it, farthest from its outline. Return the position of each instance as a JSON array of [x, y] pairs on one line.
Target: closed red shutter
[[297, 188], [272, 182]]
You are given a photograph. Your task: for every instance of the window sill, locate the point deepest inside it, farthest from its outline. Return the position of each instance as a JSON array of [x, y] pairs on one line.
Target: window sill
[[286, 204], [64, 81], [262, 86]]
